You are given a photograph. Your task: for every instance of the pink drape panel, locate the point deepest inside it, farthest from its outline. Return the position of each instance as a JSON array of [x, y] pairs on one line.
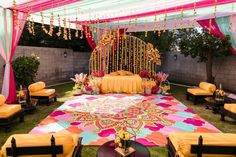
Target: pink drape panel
[[214, 27], [89, 37], [17, 31]]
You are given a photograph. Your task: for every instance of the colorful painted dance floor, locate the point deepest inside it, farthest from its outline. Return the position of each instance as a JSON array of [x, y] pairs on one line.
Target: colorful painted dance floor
[[96, 118]]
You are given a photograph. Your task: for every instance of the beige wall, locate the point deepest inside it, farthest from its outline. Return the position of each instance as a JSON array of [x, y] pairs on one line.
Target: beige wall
[[188, 71], [54, 67]]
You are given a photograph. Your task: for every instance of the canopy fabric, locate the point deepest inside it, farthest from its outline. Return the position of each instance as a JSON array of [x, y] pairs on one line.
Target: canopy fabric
[[127, 12]]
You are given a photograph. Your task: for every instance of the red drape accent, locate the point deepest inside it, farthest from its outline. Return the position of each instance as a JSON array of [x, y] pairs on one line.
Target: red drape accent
[[215, 30], [89, 36]]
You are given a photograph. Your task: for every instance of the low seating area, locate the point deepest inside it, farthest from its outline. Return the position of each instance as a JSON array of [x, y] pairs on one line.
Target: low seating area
[[46, 145], [37, 90], [185, 144], [204, 90], [9, 112], [228, 110]]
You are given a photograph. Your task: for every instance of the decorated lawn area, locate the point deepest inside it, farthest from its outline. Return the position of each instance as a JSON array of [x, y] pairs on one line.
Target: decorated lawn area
[[64, 92]]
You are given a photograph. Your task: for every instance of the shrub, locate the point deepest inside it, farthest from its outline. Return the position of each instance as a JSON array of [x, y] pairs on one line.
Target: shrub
[[25, 70]]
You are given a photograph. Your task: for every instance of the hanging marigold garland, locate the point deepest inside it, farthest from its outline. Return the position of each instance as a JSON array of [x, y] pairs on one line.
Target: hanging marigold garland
[[194, 13], [165, 23], [29, 24], [69, 30], [181, 19], [59, 26], [146, 28], [159, 27], [32, 26], [215, 13], [42, 21], [51, 25], [210, 25], [76, 28], [65, 29], [155, 20]]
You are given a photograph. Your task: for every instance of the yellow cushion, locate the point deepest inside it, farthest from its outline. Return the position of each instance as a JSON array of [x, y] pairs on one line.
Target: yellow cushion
[[199, 91], [182, 142], [128, 73], [207, 86], [114, 73], [43, 92], [36, 86], [230, 107], [8, 110], [68, 141], [2, 100], [121, 72]]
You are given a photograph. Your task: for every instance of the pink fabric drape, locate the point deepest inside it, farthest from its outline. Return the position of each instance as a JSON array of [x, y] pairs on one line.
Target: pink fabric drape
[[17, 31], [215, 30], [89, 36]]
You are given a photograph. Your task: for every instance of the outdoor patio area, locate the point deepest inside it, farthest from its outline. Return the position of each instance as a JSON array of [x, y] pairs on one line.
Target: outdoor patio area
[[135, 78]]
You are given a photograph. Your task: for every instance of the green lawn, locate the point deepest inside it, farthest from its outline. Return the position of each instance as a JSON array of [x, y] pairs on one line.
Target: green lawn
[[31, 120]]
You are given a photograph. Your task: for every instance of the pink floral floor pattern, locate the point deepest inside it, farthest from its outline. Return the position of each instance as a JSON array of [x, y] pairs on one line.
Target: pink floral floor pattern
[[96, 118]]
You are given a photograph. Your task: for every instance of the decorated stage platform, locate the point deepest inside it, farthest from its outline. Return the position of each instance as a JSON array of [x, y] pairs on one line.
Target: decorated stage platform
[[96, 118]]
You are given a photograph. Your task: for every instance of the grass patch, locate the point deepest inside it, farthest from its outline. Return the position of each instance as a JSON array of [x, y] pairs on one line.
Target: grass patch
[[64, 92]]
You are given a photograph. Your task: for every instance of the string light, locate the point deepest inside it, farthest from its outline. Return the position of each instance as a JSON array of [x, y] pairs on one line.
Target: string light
[[59, 26]]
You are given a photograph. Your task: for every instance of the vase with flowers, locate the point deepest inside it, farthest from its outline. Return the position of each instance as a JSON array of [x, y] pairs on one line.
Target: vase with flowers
[[81, 81], [219, 94], [21, 95], [123, 143]]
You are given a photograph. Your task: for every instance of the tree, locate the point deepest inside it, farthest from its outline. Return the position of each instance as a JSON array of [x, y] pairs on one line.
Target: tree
[[162, 42], [204, 46], [25, 70]]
